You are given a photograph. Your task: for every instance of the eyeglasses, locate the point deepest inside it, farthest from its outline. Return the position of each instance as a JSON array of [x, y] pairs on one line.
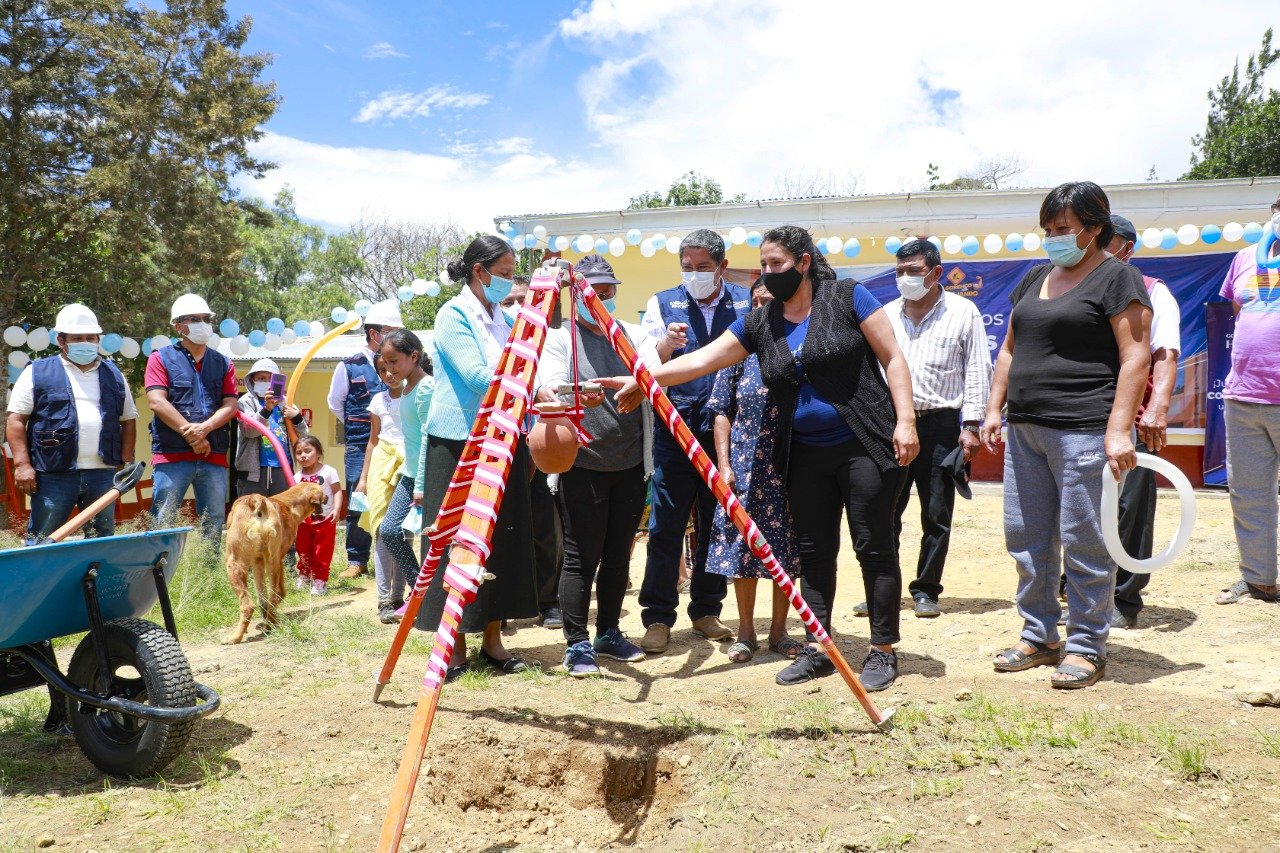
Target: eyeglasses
[[195, 318]]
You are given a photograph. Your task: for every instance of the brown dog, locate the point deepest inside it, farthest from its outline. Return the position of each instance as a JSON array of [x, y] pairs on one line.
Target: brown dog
[[259, 533]]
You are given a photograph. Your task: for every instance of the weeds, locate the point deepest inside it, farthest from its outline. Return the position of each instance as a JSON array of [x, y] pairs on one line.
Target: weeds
[[1270, 742]]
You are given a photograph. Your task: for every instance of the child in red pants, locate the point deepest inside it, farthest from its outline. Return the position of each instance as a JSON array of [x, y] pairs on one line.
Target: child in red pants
[[316, 535]]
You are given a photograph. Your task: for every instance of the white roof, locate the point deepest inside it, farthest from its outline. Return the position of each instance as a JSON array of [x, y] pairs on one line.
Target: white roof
[[288, 356]]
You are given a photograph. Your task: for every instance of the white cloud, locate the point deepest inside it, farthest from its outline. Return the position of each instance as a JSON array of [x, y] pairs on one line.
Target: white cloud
[[397, 105], [383, 50], [747, 91]]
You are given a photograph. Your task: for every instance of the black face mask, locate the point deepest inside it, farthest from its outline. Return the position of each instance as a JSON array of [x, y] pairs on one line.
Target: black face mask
[[783, 284]]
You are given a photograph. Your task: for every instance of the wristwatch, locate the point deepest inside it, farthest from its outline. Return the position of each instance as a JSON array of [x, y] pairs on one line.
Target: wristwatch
[[970, 428]]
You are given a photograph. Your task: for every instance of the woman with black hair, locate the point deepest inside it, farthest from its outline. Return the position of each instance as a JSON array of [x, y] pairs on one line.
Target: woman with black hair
[[470, 332], [1072, 369], [844, 433]]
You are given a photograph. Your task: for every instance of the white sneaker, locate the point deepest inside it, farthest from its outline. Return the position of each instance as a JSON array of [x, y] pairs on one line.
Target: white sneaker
[[300, 584], [319, 588]]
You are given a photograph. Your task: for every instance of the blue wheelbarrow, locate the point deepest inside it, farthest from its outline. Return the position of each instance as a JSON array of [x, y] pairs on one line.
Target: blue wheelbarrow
[[128, 696]]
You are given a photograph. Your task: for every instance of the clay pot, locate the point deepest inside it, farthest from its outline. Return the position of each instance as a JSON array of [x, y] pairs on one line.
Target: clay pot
[[553, 442]]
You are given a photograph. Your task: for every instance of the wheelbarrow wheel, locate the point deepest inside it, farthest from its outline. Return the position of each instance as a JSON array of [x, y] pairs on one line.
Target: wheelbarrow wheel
[[118, 744]]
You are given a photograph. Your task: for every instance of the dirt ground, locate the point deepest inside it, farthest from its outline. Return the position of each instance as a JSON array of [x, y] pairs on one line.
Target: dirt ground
[[688, 751]]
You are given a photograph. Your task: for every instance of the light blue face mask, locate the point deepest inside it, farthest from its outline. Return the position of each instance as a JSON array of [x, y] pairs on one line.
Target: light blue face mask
[[497, 289], [585, 314], [1063, 251], [83, 354]]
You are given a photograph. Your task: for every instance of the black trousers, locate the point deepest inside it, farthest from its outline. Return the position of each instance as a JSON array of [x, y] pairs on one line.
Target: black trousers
[[601, 510], [821, 482], [1137, 527], [548, 541], [939, 433]]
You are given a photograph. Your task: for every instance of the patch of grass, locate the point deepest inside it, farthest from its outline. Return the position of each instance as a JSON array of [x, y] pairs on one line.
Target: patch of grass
[[893, 841], [1270, 741], [935, 787], [685, 722]]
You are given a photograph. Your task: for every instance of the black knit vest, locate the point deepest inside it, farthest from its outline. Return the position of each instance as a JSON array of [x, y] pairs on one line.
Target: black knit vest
[[838, 362]]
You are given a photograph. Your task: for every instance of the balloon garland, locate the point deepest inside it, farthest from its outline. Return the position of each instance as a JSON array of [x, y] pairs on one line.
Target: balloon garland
[[315, 348]]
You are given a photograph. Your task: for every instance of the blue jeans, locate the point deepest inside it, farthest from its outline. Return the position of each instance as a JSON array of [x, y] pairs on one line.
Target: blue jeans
[[170, 481], [1052, 499], [57, 494], [677, 491]]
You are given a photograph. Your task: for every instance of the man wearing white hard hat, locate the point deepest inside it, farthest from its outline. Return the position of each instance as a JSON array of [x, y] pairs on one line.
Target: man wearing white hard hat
[[259, 470], [71, 423], [355, 382], [192, 393]]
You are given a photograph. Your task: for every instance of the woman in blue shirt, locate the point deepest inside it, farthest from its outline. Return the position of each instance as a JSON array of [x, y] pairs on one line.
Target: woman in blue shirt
[[470, 332], [844, 434]]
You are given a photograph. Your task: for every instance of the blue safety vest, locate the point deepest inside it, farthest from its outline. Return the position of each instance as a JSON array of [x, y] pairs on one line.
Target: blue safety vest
[[53, 430], [677, 306], [195, 398], [363, 383]]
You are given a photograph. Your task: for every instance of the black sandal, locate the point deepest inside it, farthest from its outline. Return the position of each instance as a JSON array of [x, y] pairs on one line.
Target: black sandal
[[455, 672], [1016, 660], [1240, 589], [506, 666], [1080, 677]]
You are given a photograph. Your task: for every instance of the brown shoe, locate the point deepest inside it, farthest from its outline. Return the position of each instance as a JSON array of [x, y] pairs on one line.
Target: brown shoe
[[655, 639], [712, 628], [353, 570]]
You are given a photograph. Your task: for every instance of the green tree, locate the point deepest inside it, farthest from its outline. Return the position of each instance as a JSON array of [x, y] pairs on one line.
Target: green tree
[[687, 190], [1242, 135], [122, 126]]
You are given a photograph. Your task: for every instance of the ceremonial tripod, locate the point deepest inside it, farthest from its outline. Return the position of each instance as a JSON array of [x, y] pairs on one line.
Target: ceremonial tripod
[[467, 517]]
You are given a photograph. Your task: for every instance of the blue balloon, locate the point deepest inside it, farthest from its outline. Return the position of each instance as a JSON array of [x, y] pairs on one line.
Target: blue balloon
[[754, 239], [111, 343], [508, 229], [257, 338], [969, 246], [1264, 259], [1252, 232], [275, 325], [228, 328], [602, 245], [659, 241], [551, 242], [1013, 242], [433, 288], [146, 347], [302, 328], [339, 314], [1168, 238], [1210, 234], [14, 373], [634, 237], [852, 248], [404, 292], [892, 245]]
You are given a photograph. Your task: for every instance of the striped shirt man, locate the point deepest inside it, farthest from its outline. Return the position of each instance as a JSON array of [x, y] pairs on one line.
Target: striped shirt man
[[947, 355]]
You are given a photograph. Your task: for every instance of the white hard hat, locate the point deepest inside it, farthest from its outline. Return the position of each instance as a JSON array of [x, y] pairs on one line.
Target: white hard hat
[[188, 303], [263, 364], [385, 314], [76, 319]]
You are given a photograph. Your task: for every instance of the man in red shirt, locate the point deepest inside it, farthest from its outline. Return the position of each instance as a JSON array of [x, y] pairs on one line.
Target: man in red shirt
[[192, 393]]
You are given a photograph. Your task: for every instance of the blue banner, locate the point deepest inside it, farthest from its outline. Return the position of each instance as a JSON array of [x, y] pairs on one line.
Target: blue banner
[[1220, 322]]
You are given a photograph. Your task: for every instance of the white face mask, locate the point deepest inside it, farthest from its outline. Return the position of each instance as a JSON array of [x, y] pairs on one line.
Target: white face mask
[[261, 388], [199, 333], [699, 284], [912, 287]]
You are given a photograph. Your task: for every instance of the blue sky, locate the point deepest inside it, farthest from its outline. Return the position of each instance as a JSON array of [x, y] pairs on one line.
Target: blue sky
[[461, 111]]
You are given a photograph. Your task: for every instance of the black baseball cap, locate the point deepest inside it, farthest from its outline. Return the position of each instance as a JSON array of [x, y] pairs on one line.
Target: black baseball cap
[[958, 469], [596, 270], [1124, 228]]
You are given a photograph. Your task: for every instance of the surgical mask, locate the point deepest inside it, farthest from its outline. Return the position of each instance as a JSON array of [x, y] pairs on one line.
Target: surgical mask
[[83, 354], [585, 313], [784, 283], [497, 289], [912, 287], [1063, 251], [199, 333], [699, 284], [261, 388]]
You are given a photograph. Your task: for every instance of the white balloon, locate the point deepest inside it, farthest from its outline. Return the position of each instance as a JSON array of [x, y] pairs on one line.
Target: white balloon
[[288, 336], [1110, 517], [215, 341], [19, 359], [418, 286], [673, 245], [952, 244], [992, 244], [1188, 234], [15, 336], [738, 235], [129, 348], [160, 342], [240, 345], [646, 248], [834, 245], [38, 339], [1151, 238], [317, 329], [617, 246], [584, 242], [562, 243], [540, 231], [1031, 241], [1232, 232], [272, 343]]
